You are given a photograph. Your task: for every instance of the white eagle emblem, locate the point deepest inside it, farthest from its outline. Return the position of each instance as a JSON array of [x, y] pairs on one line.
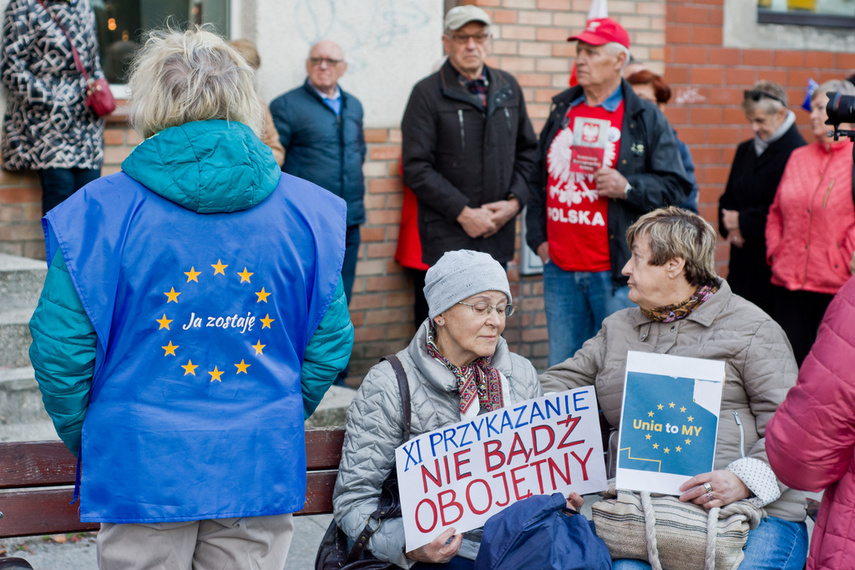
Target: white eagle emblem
[[572, 187]]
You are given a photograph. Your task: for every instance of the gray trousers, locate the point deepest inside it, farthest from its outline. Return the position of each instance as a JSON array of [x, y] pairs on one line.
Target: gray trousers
[[256, 543]]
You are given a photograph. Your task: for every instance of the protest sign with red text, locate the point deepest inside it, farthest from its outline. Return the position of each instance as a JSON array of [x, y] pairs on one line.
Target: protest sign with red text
[[463, 474]]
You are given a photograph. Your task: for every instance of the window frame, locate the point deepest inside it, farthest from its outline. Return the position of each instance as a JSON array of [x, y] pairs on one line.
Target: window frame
[[233, 14], [742, 30], [804, 19]]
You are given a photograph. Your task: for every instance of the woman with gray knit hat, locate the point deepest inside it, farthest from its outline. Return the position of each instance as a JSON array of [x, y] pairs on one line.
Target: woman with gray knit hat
[[458, 366]]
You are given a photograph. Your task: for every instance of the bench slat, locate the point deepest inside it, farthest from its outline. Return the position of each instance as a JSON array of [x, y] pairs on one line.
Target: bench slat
[[49, 463], [47, 511], [35, 464], [323, 448], [39, 512], [319, 490]]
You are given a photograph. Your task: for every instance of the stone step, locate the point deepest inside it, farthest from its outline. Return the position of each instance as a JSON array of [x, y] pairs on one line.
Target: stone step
[[332, 409], [21, 281], [32, 431], [15, 337], [20, 399]]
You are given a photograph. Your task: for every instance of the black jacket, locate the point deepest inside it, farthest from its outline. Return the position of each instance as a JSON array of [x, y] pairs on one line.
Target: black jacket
[[648, 158], [750, 190], [456, 153]]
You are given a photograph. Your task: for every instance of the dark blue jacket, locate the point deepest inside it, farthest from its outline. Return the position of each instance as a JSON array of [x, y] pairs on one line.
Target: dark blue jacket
[[691, 202], [321, 147]]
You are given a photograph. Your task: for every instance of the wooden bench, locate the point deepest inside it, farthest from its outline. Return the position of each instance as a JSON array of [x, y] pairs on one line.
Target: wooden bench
[[37, 484]]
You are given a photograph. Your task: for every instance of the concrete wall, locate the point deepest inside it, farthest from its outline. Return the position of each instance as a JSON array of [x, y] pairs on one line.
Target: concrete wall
[[389, 45]]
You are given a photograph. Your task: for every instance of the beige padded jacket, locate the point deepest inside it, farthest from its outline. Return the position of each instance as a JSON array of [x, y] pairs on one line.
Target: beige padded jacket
[[759, 365]]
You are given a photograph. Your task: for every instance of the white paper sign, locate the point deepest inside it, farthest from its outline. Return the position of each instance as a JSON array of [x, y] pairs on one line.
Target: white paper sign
[[669, 421], [463, 474]]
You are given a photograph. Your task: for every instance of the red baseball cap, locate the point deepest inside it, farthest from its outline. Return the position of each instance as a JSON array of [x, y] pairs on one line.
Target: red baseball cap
[[602, 31]]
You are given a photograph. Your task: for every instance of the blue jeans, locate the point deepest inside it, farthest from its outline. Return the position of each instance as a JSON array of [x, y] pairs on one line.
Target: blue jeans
[[60, 183], [456, 563], [775, 544], [576, 304]]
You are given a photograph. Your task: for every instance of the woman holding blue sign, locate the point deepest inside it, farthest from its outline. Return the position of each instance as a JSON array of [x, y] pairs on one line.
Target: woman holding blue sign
[[684, 309], [457, 366]]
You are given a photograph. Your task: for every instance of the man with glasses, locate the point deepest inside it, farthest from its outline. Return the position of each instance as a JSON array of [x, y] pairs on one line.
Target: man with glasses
[[468, 146], [606, 157], [320, 126]]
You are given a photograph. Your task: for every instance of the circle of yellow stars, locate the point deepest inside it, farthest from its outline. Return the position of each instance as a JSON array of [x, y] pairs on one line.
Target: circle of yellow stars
[[172, 296], [677, 448]]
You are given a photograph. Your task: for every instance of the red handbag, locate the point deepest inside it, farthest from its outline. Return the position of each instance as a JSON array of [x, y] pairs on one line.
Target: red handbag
[[99, 98]]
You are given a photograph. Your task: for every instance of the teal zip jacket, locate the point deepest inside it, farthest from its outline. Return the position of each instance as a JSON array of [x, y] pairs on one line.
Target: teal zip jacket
[[206, 167]]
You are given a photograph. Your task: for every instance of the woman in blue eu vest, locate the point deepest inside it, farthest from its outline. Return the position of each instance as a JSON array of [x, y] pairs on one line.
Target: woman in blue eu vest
[[192, 317]]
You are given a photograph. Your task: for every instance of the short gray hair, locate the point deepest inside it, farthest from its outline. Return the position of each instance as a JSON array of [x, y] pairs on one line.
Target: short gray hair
[[614, 48], [841, 86], [768, 105], [675, 232], [181, 77]]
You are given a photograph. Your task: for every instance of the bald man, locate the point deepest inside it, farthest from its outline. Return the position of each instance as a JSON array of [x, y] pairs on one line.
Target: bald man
[[320, 127]]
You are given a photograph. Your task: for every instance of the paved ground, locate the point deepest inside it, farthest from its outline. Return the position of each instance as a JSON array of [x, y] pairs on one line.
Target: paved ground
[[77, 552]]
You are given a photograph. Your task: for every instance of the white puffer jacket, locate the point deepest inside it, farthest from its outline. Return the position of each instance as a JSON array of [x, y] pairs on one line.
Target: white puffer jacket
[[375, 429]]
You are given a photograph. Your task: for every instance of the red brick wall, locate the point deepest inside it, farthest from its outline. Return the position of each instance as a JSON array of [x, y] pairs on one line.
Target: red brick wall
[[20, 212], [695, 59]]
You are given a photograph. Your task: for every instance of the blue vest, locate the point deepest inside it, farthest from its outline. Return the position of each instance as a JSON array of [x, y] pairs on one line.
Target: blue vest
[[202, 322]]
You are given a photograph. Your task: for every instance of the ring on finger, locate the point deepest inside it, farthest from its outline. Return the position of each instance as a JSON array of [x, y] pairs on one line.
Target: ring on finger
[[709, 497], [708, 487]]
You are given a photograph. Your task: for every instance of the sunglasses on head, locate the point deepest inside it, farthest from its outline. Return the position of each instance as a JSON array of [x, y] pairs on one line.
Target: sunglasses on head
[[755, 95]]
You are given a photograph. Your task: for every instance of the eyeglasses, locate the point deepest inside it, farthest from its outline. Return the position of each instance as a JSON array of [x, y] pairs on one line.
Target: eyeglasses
[[316, 61], [483, 309], [463, 39], [755, 95]]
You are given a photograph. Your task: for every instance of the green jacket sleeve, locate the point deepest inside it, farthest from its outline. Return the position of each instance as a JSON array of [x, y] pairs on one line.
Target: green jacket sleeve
[[63, 353], [328, 351]]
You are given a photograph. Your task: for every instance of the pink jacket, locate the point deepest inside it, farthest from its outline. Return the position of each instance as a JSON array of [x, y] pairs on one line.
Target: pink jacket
[[811, 439], [810, 232]]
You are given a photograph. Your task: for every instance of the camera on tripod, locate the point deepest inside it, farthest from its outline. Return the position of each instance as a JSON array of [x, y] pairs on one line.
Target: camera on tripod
[[840, 109]]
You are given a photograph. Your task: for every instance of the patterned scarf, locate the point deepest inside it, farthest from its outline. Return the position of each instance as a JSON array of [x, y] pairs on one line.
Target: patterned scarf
[[683, 309], [477, 379]]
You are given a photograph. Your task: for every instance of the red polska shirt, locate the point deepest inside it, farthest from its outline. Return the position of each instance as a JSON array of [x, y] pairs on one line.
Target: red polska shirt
[[576, 216]]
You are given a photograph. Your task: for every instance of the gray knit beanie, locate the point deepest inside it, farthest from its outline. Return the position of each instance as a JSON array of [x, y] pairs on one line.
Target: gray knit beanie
[[461, 274]]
